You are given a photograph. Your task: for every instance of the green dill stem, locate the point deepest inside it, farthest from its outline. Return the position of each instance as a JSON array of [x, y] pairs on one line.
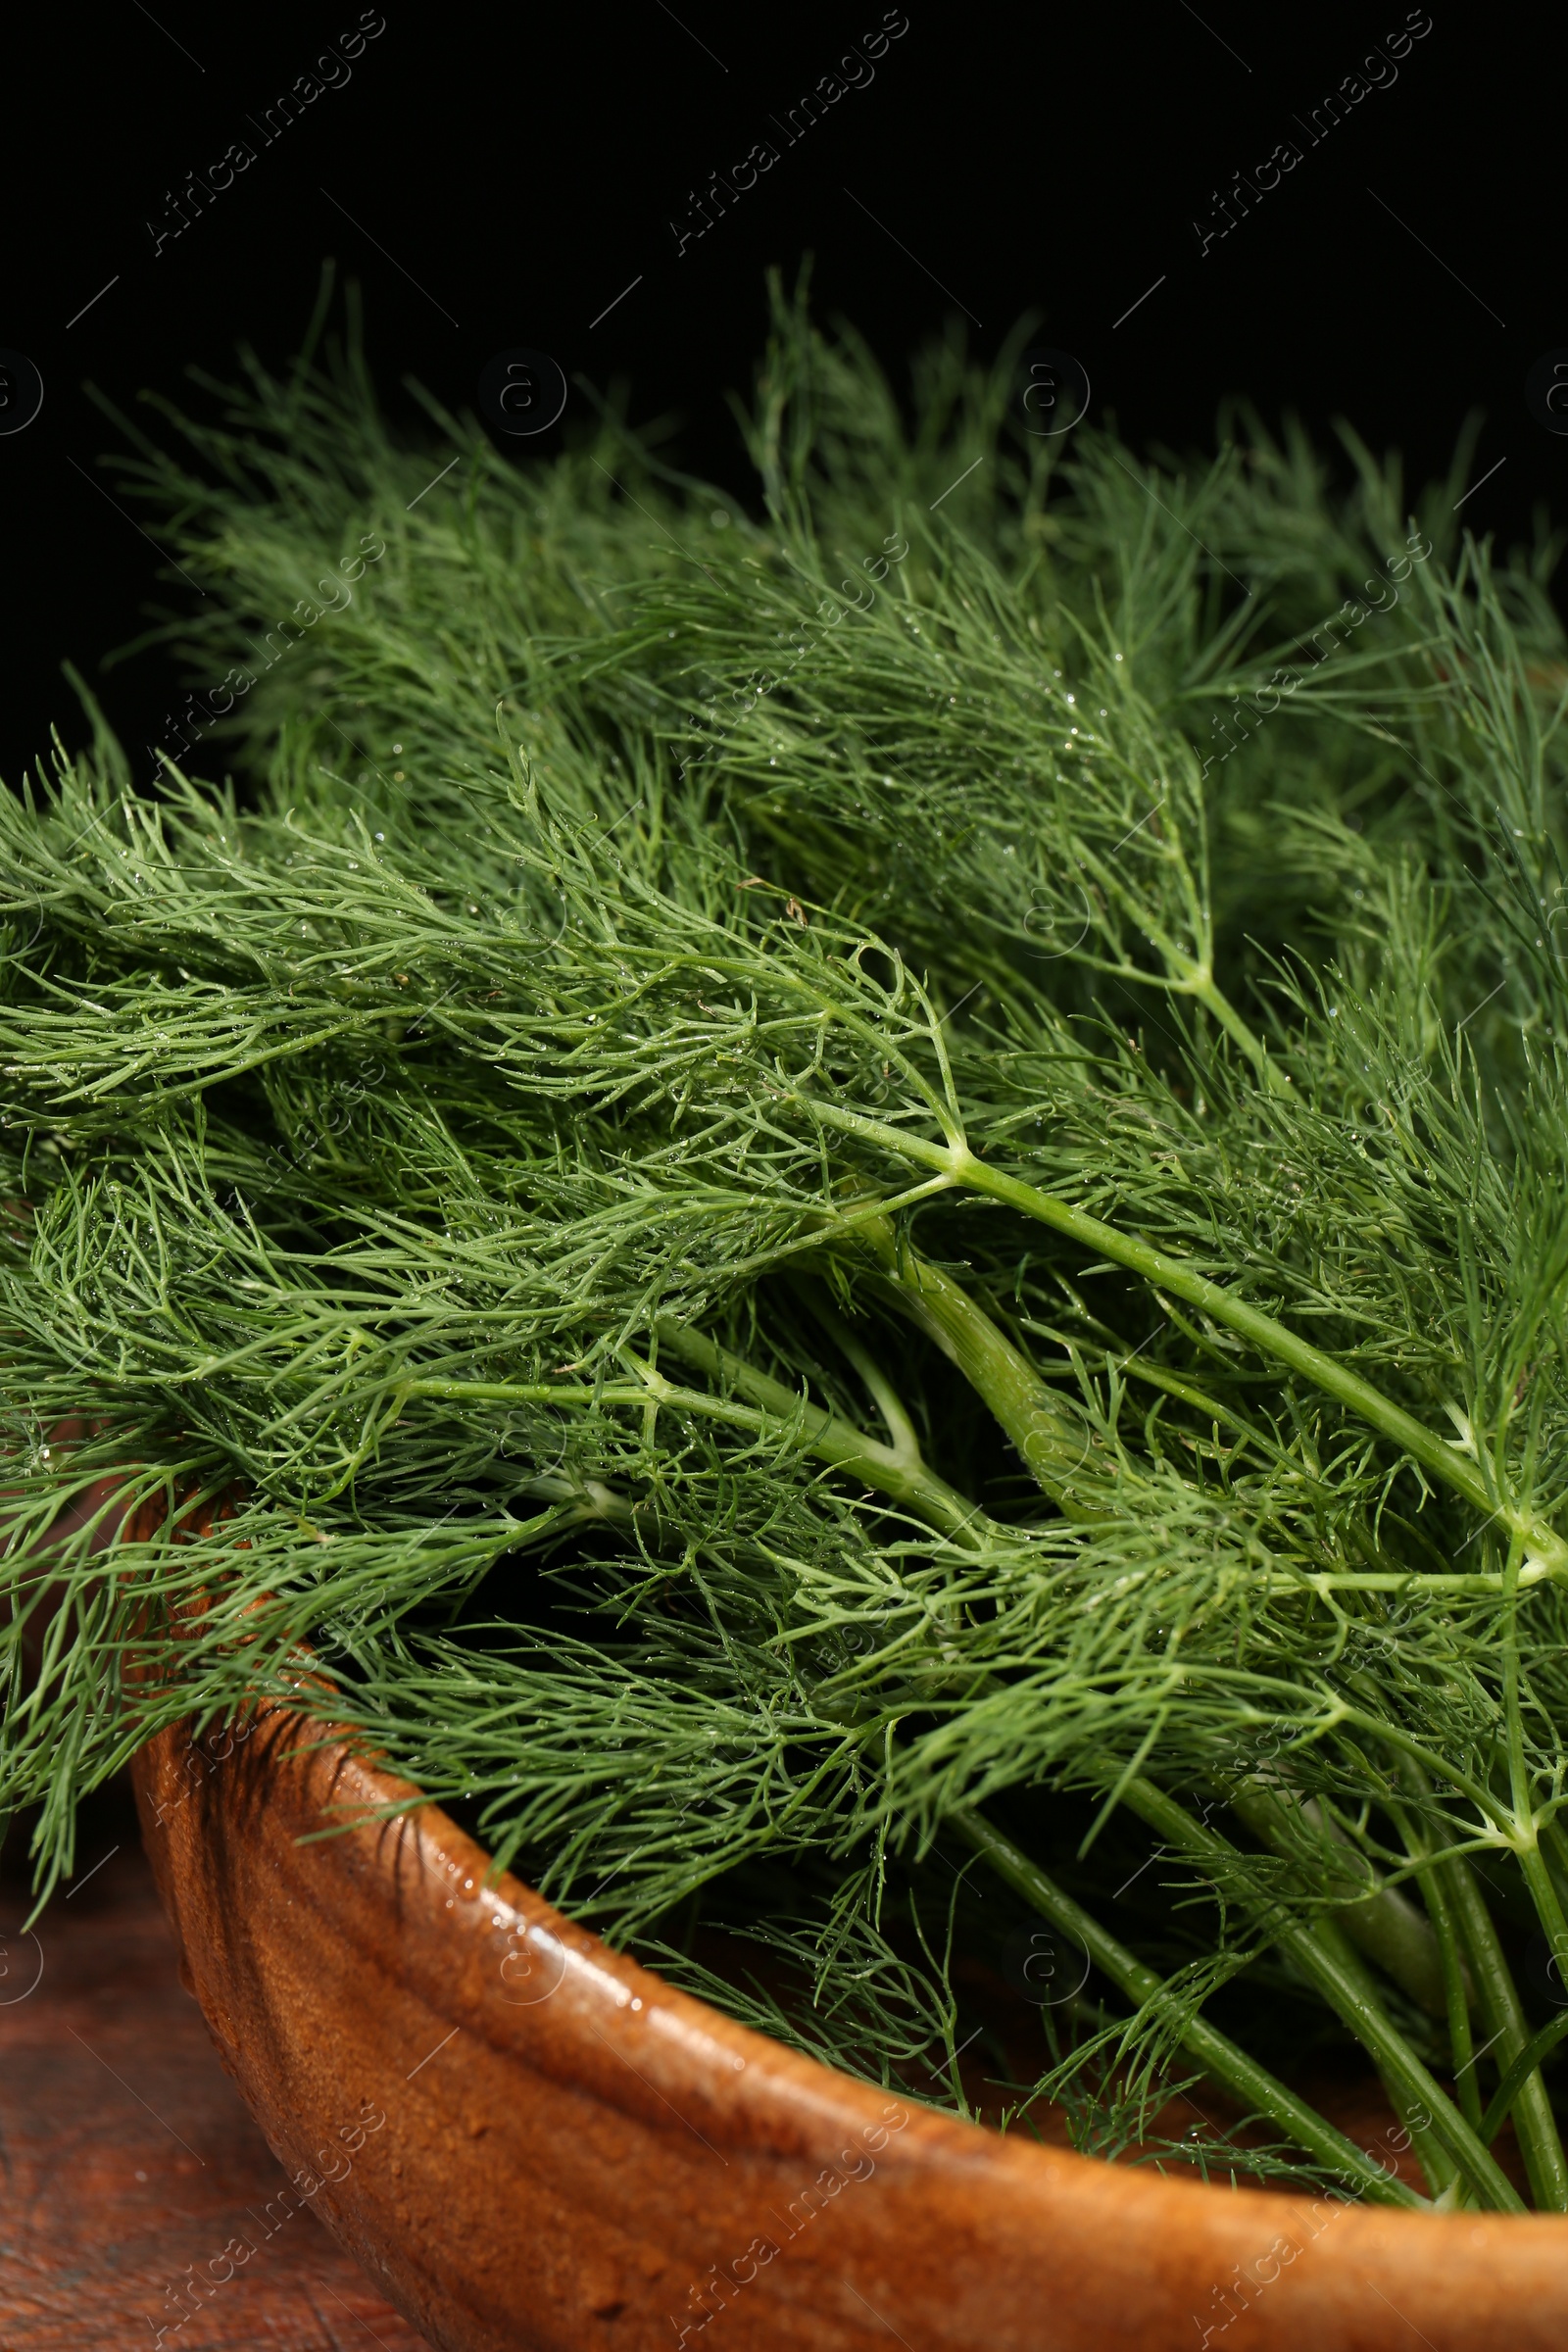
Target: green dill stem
[[1526, 1840], [1540, 2045], [1383, 1923], [1505, 2018], [1446, 1462], [1053, 1446], [897, 1471], [776, 1412], [1460, 2039], [902, 1431], [1549, 1904], [1555, 1846], [1230, 2067], [1326, 1958], [1537, 1872], [1206, 993], [1457, 1992]]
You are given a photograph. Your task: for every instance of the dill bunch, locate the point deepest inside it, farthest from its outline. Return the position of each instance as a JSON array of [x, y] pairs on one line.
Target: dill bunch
[[837, 1187]]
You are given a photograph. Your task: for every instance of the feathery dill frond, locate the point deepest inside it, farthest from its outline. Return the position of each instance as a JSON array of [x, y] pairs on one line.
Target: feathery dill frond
[[806, 1230]]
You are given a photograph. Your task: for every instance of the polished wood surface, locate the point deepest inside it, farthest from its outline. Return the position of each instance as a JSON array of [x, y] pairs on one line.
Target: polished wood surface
[[138, 2195], [531, 2142]]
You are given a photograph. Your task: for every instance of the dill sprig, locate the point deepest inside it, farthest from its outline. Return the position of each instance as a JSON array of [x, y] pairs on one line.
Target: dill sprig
[[805, 1234]]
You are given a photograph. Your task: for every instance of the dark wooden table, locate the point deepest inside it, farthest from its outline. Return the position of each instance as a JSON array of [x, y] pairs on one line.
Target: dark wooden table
[[131, 2171]]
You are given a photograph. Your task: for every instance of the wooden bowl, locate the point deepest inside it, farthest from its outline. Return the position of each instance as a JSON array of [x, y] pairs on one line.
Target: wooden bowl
[[530, 2141]]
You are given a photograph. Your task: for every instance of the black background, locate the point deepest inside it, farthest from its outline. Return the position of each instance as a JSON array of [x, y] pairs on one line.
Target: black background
[[503, 175]]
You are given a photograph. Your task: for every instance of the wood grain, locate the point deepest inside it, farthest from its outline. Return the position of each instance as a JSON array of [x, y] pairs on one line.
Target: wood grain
[[130, 2161], [575, 2155]]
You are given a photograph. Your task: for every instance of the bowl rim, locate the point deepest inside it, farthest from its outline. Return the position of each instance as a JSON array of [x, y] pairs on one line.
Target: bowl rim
[[407, 1849], [647, 2051]]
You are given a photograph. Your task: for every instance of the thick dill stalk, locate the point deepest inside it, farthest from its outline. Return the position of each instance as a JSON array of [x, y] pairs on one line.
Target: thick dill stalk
[[1381, 1922], [1055, 1448], [1508, 2034], [1325, 1957], [1546, 1552], [1434, 1883], [1230, 2067]]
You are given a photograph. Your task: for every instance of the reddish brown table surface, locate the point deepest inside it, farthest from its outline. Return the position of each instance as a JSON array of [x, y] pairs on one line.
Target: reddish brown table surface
[[128, 2166]]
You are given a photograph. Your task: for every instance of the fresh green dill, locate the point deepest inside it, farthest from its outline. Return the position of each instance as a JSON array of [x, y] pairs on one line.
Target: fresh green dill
[[863, 1213]]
